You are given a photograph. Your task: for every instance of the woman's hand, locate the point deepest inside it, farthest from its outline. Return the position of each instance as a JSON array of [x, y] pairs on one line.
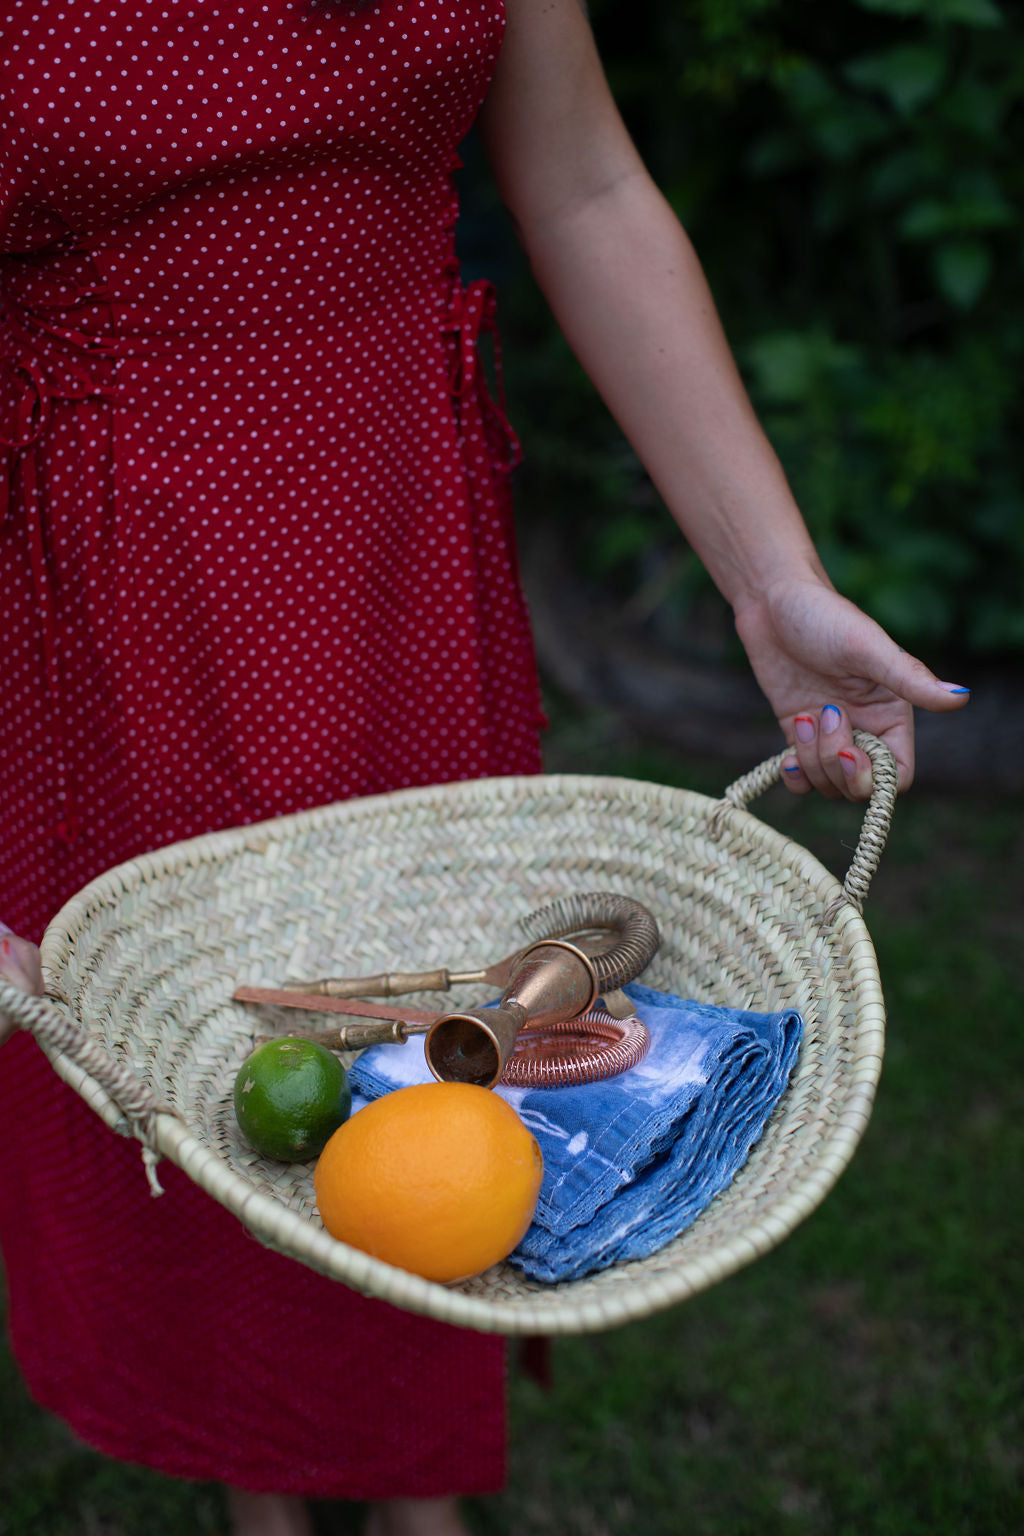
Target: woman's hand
[[827, 669], [21, 966]]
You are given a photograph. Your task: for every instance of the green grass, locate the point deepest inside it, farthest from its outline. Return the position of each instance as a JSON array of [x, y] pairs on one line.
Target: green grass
[[864, 1379]]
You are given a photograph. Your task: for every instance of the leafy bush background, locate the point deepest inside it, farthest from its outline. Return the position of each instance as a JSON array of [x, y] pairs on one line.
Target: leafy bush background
[[852, 177]]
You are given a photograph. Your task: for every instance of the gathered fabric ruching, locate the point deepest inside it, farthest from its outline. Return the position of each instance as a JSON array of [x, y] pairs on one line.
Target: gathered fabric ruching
[[56, 354]]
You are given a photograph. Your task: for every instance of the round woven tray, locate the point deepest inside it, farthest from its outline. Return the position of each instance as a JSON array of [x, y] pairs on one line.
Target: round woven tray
[[141, 966]]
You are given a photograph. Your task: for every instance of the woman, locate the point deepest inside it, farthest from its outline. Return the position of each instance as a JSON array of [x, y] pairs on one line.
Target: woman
[[258, 556]]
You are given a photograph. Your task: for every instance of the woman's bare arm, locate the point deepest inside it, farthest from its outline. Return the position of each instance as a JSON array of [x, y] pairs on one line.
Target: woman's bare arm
[[628, 291]]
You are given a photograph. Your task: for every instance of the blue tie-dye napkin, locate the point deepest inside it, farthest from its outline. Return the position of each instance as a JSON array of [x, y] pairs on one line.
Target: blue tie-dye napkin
[[631, 1161]]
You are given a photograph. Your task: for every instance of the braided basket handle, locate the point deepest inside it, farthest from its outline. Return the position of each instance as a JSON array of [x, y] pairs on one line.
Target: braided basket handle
[[58, 1033], [877, 816]]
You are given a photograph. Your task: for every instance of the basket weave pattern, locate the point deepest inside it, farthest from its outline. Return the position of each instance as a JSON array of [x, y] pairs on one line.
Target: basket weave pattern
[[142, 964]]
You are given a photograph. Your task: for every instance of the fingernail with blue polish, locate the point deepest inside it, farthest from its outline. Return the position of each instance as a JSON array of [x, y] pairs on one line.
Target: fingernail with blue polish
[[830, 718], [791, 767], [955, 688]]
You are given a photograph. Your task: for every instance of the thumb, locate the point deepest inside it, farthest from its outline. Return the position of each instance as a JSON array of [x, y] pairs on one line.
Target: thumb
[[910, 679]]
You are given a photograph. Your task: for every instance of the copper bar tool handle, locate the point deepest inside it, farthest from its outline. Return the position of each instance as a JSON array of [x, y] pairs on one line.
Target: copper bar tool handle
[[356, 1037], [384, 984], [314, 1002]]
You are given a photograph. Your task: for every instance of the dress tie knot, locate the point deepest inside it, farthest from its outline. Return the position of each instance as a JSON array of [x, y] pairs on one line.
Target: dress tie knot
[[474, 314], [32, 402]]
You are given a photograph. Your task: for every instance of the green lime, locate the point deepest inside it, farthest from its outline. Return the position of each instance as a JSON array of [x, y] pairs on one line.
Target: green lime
[[290, 1097]]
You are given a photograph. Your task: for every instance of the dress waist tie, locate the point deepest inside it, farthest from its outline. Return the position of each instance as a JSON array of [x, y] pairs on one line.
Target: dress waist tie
[[475, 314]]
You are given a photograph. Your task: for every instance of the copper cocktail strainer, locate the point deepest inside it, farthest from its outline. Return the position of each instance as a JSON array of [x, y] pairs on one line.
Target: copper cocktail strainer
[[562, 1017]]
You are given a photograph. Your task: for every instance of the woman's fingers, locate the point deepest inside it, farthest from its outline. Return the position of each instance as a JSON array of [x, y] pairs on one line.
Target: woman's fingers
[[816, 751], [794, 778], [20, 962], [825, 757], [20, 965], [846, 766]]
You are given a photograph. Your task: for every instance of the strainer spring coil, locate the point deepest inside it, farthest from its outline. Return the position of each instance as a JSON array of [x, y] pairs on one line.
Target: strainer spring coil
[[635, 937]]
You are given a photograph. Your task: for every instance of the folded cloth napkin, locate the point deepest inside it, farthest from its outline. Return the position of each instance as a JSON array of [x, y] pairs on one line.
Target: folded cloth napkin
[[631, 1161]]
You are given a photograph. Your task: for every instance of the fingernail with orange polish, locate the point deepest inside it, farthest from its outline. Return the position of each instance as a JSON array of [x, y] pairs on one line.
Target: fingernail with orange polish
[[805, 728], [849, 763]]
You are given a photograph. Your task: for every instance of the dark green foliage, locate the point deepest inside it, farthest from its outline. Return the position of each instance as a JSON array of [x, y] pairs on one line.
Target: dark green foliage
[[852, 175]]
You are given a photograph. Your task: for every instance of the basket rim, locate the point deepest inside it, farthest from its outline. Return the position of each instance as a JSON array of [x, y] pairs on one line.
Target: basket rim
[[594, 1303]]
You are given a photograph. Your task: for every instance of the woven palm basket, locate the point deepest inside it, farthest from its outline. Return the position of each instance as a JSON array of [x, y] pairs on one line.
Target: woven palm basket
[[141, 966]]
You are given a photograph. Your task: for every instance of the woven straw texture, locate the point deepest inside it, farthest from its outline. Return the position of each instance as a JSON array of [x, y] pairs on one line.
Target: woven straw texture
[[141, 966]]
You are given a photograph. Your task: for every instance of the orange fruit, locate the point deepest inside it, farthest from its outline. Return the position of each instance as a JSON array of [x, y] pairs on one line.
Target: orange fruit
[[290, 1096], [441, 1179]]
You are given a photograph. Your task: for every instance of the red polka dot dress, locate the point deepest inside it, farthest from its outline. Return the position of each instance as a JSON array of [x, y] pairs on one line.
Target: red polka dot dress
[[255, 555]]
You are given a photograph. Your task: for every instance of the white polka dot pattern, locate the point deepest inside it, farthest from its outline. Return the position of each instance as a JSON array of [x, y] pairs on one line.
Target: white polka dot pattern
[[258, 551], [255, 555]]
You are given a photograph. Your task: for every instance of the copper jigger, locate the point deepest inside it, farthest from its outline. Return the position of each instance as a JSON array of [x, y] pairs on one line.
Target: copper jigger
[[549, 982]]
